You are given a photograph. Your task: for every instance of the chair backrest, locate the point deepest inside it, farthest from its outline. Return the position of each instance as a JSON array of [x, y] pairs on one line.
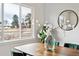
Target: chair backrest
[[70, 45], [56, 43], [78, 47]]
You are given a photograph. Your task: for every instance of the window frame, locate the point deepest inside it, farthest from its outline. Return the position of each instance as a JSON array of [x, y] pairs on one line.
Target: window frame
[[2, 18]]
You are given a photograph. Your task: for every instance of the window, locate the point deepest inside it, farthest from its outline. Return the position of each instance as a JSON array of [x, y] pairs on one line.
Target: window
[[16, 22], [11, 21], [25, 21]]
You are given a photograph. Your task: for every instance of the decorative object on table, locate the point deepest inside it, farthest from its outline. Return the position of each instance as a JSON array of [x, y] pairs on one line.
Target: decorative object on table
[[50, 40], [47, 36], [42, 34]]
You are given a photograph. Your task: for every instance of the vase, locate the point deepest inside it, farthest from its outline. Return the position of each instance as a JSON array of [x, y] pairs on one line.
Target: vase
[[50, 43]]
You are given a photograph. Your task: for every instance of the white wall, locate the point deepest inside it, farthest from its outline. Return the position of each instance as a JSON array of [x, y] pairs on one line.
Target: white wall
[[51, 15], [37, 11]]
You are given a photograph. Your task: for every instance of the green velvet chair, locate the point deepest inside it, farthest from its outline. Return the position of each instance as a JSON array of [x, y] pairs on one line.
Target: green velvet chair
[[77, 47], [70, 45], [56, 43]]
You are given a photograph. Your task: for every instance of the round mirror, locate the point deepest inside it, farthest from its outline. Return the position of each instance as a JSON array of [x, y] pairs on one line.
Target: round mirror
[[67, 20]]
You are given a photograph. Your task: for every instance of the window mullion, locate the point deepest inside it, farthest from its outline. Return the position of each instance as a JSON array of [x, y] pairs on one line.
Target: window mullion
[[2, 16], [20, 20]]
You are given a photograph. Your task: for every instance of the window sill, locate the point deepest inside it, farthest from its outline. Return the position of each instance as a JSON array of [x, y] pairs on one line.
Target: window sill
[[14, 41]]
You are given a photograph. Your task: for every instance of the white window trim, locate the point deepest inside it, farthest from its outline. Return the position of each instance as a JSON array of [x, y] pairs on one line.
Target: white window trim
[[2, 19]]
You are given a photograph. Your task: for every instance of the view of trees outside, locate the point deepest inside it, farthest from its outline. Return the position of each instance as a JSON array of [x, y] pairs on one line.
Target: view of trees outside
[[11, 22], [15, 23], [25, 21], [11, 27]]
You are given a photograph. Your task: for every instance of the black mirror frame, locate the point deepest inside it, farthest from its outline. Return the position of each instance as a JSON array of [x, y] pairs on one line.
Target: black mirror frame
[[63, 12]]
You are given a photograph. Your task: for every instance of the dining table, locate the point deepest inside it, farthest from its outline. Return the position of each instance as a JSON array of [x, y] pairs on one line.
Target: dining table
[[39, 49]]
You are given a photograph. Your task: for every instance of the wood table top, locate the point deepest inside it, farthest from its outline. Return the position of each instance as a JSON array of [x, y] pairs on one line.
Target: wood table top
[[38, 49]]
